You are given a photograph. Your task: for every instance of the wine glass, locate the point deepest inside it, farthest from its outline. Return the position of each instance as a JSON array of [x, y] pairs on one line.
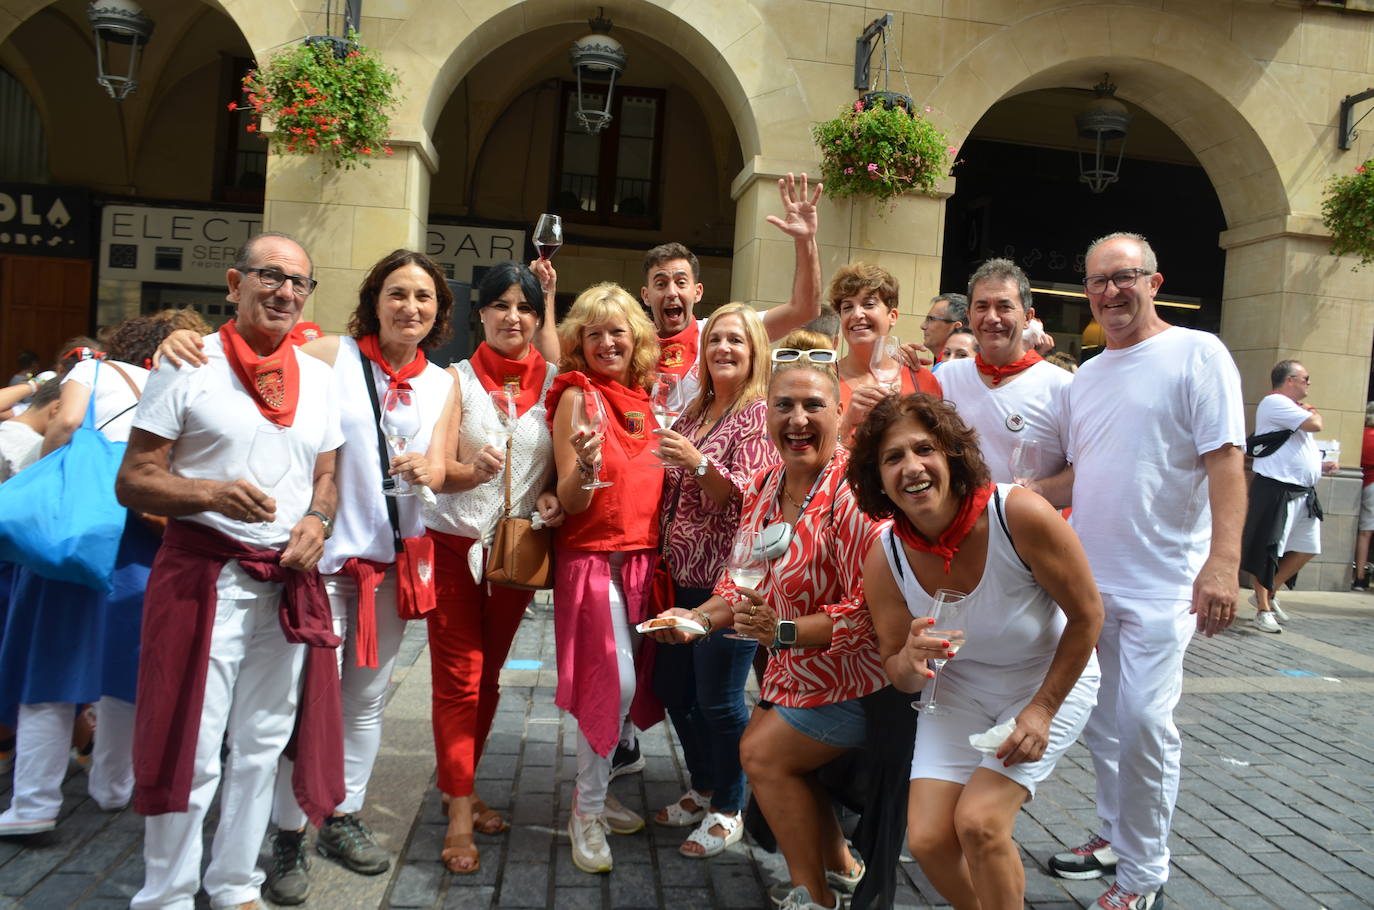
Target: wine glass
[[664, 401], [1025, 457], [747, 566], [548, 235], [589, 416], [884, 365], [499, 422], [269, 457], [400, 423], [947, 612]]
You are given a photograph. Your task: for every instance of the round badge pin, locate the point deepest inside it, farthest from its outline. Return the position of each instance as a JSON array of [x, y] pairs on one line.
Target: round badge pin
[[1016, 423]]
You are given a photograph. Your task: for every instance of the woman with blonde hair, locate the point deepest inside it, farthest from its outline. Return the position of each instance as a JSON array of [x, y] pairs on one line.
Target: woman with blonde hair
[[718, 445], [606, 547]]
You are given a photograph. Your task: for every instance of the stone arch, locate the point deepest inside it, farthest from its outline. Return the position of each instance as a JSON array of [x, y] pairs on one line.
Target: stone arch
[[1237, 119]]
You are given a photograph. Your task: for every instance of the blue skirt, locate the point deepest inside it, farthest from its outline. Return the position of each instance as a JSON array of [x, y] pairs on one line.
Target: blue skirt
[[65, 642]]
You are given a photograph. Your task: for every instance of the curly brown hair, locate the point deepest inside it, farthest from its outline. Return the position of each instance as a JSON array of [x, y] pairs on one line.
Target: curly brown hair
[[956, 439], [364, 319], [182, 318], [134, 341], [863, 277]]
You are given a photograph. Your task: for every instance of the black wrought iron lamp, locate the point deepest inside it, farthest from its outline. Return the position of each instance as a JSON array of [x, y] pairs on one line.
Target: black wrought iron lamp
[[119, 23]]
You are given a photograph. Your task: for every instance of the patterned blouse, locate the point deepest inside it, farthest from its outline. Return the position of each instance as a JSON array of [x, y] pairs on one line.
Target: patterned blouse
[[822, 571], [697, 533]]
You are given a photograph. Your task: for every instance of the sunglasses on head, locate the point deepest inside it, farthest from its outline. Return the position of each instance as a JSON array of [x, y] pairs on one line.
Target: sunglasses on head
[[83, 353], [792, 355]]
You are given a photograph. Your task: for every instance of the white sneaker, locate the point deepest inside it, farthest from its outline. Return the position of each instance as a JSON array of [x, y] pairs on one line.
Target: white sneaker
[[1265, 622], [800, 899], [13, 826], [619, 819], [590, 852], [1278, 610]]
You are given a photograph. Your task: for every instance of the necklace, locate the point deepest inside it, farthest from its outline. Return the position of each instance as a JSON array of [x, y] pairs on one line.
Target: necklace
[[788, 496]]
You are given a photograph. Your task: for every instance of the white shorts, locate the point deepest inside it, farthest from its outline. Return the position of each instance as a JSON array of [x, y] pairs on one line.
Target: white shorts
[[1301, 532], [943, 753], [1367, 507]]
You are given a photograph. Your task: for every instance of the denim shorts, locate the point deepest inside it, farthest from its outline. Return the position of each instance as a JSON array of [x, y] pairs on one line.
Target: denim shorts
[[840, 725]]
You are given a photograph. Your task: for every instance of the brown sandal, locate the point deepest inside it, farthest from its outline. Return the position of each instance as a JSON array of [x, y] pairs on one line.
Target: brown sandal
[[486, 819], [461, 856]]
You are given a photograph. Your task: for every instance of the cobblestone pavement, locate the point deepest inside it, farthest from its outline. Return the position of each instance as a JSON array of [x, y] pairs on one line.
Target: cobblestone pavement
[[1276, 808]]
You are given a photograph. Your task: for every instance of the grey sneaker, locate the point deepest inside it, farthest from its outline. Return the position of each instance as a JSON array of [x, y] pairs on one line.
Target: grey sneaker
[[348, 840], [1091, 860], [619, 819], [800, 899], [590, 852], [626, 760], [288, 881], [843, 884], [1265, 622]]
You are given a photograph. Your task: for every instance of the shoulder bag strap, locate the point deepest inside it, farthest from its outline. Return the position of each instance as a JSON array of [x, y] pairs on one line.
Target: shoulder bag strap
[[510, 449], [392, 513], [1006, 529], [897, 555], [132, 388]]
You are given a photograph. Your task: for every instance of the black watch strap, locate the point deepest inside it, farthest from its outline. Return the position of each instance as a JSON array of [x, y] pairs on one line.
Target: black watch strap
[[324, 520]]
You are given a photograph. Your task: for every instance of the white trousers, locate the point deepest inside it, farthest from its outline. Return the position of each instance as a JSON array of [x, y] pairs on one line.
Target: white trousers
[[250, 694], [364, 696], [593, 770], [43, 741], [1136, 747]]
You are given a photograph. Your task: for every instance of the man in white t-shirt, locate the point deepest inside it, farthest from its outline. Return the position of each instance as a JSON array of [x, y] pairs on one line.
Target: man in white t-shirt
[[1283, 523], [1008, 393], [1157, 485], [240, 453]]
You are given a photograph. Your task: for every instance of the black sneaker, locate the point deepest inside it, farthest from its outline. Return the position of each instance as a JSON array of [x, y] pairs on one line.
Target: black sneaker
[[627, 760], [348, 840], [288, 881], [1360, 584], [1094, 859]]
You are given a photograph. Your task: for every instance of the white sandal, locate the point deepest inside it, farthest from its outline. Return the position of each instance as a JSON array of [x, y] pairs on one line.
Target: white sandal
[[710, 843], [678, 815]]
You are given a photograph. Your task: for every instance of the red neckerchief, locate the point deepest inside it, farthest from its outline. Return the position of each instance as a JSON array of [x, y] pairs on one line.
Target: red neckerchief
[[303, 333], [1031, 358], [678, 353], [274, 381], [523, 378], [371, 348], [627, 409], [948, 544]]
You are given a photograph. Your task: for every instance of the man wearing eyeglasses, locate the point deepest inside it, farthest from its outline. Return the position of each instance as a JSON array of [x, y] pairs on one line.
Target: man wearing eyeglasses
[[947, 312], [1158, 494], [240, 454], [1283, 524]]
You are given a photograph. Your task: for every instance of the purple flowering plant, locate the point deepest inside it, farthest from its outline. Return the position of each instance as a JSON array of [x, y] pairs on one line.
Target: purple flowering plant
[[881, 150]]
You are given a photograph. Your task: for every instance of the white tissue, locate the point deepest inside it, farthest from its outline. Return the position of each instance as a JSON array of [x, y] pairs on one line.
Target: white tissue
[[988, 741]]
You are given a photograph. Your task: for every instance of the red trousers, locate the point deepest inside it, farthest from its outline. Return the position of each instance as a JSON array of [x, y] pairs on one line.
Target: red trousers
[[470, 634]]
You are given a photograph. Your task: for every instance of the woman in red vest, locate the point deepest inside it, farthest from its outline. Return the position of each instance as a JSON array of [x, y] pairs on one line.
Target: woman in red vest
[[606, 548]]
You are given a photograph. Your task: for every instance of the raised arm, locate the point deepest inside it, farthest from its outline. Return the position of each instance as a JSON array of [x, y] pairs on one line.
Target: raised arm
[[546, 336], [799, 222], [1214, 590]]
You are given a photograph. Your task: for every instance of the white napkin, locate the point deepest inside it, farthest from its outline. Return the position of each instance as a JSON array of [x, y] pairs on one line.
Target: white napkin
[[686, 625], [988, 741]]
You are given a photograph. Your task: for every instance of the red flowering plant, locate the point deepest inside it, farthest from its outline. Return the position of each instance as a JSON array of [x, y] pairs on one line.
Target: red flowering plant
[[329, 97], [1348, 212], [881, 147]]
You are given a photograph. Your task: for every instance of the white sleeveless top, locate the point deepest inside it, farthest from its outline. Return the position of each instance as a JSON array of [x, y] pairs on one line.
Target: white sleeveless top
[[1012, 625], [473, 513], [361, 526]]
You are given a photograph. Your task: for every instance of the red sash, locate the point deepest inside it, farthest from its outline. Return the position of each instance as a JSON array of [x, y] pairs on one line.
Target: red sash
[[678, 353], [948, 544], [274, 380], [1031, 358], [371, 348], [524, 378]]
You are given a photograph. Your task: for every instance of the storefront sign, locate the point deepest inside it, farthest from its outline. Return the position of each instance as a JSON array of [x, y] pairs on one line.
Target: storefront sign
[[171, 246], [465, 252], [38, 220]]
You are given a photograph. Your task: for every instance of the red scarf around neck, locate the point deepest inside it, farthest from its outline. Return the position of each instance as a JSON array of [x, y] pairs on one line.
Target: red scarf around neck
[[1031, 358], [678, 353], [371, 348], [274, 380], [523, 378], [973, 505], [628, 415]]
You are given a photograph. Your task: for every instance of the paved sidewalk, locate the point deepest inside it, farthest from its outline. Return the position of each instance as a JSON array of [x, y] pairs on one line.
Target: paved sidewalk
[[1276, 808]]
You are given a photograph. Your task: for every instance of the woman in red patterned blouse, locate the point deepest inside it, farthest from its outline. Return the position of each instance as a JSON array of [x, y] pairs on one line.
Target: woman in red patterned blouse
[[810, 609]]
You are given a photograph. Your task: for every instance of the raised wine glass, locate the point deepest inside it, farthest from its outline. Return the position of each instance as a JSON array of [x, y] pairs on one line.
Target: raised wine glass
[[884, 365], [400, 424], [548, 235], [948, 613], [664, 400], [589, 416], [269, 457], [747, 566]]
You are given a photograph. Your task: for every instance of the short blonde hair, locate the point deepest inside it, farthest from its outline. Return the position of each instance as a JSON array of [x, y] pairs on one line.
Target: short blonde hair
[[602, 303], [806, 340], [755, 385]]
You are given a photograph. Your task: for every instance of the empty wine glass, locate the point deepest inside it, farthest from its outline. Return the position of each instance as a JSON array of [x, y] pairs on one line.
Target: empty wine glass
[[747, 566], [884, 365], [589, 416], [499, 424], [548, 235], [1025, 459], [663, 398], [947, 612], [269, 457], [400, 424]]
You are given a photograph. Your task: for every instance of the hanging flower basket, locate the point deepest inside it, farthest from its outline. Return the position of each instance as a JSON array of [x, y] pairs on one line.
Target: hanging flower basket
[[328, 97], [1348, 212], [881, 147]]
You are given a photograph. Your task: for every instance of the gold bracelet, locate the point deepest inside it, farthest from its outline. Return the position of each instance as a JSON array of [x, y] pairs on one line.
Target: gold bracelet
[[705, 620]]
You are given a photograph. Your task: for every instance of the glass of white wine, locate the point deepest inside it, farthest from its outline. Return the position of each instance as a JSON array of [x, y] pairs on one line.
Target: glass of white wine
[[747, 566], [269, 457], [589, 416], [663, 399], [400, 424], [1025, 459], [948, 613], [500, 423]]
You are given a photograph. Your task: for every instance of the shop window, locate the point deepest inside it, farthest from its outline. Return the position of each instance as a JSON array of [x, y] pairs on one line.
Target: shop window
[[610, 177], [244, 174]]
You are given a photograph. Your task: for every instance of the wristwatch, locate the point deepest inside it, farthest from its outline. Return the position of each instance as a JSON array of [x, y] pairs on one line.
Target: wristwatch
[[325, 520], [785, 635], [700, 469]]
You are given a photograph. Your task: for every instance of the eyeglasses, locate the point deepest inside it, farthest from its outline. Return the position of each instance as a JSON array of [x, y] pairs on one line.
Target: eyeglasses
[[1305, 380], [931, 317], [272, 279], [1126, 278], [792, 355]]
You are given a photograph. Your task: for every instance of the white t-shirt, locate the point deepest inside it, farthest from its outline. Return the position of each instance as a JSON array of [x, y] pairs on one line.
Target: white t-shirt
[[114, 400], [1030, 405], [1140, 420], [1298, 461], [214, 420], [19, 447]]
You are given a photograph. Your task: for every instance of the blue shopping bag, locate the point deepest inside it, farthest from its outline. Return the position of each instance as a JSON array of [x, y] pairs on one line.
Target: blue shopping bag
[[59, 516]]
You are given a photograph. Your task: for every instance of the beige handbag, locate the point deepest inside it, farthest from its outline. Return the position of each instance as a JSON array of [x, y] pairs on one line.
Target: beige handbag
[[520, 556]]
